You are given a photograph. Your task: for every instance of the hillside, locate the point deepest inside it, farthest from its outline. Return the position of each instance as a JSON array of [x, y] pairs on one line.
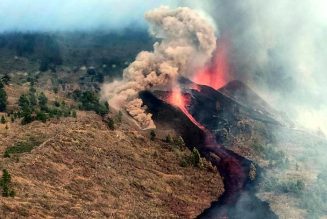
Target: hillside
[[82, 169]]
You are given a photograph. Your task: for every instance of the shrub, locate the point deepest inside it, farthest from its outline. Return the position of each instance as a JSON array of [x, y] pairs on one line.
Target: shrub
[[74, 114], [41, 116], [111, 124], [6, 154], [179, 141], [119, 117], [169, 139], [22, 146], [152, 135]]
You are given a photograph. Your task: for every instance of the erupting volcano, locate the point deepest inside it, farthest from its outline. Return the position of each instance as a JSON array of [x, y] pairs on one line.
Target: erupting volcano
[[215, 73], [234, 169]]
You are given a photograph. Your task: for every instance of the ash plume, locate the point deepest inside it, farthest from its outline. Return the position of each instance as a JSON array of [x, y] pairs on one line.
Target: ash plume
[[185, 41]]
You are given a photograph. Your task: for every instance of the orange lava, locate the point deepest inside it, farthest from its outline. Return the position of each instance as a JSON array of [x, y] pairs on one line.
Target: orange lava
[[215, 74], [176, 98]]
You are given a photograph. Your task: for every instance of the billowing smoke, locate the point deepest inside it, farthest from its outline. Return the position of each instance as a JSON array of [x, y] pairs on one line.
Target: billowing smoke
[[279, 48], [186, 41]]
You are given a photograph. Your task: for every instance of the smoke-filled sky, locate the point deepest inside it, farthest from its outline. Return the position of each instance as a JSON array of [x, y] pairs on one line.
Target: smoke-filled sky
[[278, 46]]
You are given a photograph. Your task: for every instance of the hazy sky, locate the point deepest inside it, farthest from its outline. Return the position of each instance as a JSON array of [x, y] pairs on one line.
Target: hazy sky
[[44, 15]]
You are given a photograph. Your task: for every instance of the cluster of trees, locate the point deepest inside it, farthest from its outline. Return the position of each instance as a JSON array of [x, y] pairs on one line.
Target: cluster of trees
[[93, 75], [194, 159], [34, 106], [89, 101], [272, 154]]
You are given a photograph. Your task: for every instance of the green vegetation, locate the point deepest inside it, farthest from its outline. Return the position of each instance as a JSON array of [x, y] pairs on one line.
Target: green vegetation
[[119, 117], [3, 119], [34, 106], [152, 135], [110, 123], [175, 141], [3, 98], [194, 159], [269, 152], [74, 114], [90, 101], [5, 79], [311, 197], [23, 146], [294, 186], [5, 184]]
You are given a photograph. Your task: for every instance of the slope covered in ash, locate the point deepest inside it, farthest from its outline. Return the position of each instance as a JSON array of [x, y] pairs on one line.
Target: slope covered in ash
[[230, 120], [244, 95]]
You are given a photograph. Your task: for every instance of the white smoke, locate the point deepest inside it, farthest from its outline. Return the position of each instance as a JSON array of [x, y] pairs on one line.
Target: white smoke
[[187, 41]]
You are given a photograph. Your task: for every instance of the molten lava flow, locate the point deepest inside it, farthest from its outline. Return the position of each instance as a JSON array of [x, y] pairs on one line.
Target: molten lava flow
[[177, 99], [215, 74]]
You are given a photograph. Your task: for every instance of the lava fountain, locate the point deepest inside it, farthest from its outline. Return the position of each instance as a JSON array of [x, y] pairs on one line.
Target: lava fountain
[[215, 74], [177, 99]]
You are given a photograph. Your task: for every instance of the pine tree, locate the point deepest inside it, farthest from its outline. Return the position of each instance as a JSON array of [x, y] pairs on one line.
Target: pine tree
[[3, 120], [3, 98], [43, 101]]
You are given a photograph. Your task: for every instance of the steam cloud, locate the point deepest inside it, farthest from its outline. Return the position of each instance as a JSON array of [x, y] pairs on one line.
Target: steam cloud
[[187, 41]]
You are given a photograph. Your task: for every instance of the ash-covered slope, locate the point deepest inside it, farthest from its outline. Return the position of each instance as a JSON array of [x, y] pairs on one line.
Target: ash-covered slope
[[245, 96], [228, 118]]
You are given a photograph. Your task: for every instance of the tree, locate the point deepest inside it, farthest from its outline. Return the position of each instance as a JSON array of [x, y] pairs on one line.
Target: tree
[[24, 103], [111, 124], [41, 116], [5, 79], [169, 139], [180, 142], [5, 183], [3, 98], [119, 117], [32, 95], [3, 120], [6, 154], [25, 109], [74, 114], [43, 101], [152, 135]]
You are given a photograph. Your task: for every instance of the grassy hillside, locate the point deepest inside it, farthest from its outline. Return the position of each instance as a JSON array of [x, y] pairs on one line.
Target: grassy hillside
[[78, 167]]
